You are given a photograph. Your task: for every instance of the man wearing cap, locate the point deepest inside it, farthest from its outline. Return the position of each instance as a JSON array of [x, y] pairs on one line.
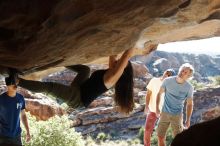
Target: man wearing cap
[[12, 105], [150, 107], [177, 90]]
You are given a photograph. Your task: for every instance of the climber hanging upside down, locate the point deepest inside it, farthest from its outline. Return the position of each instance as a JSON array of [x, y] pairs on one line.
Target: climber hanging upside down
[[85, 87]]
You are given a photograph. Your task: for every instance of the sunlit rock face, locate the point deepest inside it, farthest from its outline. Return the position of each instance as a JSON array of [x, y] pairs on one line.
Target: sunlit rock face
[[39, 34], [40, 106], [206, 103]]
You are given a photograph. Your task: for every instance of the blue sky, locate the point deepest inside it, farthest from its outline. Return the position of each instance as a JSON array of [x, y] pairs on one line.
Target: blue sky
[[209, 46]]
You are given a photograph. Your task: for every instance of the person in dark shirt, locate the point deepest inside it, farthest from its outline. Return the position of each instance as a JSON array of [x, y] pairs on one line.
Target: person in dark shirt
[[85, 88], [12, 105]]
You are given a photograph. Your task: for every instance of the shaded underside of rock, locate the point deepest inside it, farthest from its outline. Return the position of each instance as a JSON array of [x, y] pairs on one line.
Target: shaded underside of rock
[[39, 34]]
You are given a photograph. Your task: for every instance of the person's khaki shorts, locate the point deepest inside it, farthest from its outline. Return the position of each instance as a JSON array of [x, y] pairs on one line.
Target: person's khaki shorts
[[166, 119]]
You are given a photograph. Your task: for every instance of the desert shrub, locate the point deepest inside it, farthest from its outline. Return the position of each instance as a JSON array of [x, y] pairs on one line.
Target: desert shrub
[[217, 80], [141, 134], [102, 137], [197, 85], [54, 132]]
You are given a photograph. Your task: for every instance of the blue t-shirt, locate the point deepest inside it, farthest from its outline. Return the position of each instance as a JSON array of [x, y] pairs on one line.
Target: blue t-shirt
[[10, 108], [175, 95]]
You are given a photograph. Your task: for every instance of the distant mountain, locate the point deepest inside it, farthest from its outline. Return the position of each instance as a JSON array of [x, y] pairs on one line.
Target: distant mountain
[[159, 61]]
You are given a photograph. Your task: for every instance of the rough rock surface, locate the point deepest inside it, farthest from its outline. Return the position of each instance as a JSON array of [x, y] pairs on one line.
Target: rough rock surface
[[42, 107], [206, 103], [140, 70], [39, 34], [103, 117]]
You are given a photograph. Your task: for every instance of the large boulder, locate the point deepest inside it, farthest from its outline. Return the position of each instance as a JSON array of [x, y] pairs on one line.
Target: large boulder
[[40, 34], [41, 106], [42, 109], [202, 134]]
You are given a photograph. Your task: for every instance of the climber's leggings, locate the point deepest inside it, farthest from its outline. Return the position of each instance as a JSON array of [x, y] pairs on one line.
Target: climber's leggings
[[70, 94]]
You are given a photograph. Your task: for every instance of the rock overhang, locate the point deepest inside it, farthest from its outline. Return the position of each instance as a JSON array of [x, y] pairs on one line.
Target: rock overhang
[[37, 34]]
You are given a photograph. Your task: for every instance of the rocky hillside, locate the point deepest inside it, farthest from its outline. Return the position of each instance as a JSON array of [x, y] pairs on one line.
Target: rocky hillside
[[101, 115], [204, 65]]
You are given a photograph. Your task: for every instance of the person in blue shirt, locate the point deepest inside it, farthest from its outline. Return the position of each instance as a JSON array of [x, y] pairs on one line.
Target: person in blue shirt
[[177, 90], [12, 107]]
